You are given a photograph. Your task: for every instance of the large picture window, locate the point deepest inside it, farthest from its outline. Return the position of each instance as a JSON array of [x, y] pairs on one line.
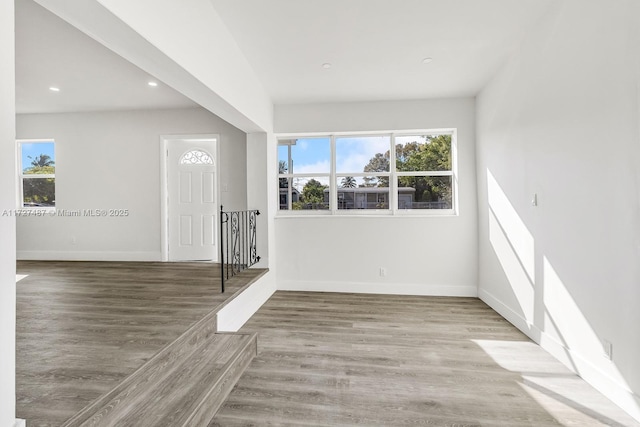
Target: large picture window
[[37, 173], [364, 173]]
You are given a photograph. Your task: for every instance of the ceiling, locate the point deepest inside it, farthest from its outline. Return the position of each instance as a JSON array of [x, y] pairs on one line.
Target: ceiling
[[51, 52], [376, 50], [376, 47]]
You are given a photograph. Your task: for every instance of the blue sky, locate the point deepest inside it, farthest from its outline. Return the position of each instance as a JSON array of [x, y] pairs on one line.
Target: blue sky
[[34, 149]]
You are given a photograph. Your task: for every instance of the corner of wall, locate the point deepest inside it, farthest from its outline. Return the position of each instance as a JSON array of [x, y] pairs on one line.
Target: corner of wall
[[7, 222]]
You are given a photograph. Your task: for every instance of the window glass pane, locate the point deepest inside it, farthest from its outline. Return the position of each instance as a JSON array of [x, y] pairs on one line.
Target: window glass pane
[[308, 155], [39, 192], [38, 158], [423, 153], [362, 154], [311, 193], [283, 159], [283, 184], [196, 157], [370, 192], [425, 192]]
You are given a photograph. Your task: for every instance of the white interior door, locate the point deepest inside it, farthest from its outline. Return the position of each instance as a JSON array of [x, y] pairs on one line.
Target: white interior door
[[192, 200]]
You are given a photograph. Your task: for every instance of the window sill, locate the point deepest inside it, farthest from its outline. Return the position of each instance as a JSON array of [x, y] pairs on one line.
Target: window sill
[[448, 213]]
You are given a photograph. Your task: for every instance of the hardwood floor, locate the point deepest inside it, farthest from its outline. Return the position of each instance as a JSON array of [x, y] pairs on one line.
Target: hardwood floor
[[324, 359], [374, 360], [83, 327]]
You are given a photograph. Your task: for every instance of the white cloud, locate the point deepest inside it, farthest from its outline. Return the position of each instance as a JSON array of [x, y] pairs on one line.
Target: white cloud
[[322, 166], [353, 163], [353, 154], [406, 139]]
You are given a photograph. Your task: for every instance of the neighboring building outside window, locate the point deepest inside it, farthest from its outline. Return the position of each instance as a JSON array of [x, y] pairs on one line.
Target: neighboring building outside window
[[384, 173], [36, 173]]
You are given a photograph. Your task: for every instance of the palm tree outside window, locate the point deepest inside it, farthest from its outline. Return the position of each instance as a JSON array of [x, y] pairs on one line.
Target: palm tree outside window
[[37, 173]]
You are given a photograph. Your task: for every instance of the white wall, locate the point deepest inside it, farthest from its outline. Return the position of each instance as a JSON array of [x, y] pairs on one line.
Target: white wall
[[7, 223], [261, 152], [561, 120], [422, 255], [111, 160]]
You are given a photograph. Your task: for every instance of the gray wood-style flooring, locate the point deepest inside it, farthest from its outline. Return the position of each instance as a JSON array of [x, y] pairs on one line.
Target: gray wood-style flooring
[[82, 327], [375, 360]]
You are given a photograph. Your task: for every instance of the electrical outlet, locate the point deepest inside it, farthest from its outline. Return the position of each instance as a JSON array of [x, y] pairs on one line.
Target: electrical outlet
[[534, 199], [607, 347], [383, 272], [73, 240]]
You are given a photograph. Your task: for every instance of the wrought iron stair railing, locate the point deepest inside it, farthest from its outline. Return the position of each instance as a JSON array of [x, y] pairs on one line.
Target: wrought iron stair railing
[[238, 249]]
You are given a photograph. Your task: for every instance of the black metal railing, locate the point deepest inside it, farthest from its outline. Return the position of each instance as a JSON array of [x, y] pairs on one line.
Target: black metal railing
[[237, 242]]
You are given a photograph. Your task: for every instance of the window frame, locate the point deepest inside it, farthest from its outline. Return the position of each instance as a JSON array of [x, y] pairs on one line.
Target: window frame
[[22, 175], [291, 176], [393, 174]]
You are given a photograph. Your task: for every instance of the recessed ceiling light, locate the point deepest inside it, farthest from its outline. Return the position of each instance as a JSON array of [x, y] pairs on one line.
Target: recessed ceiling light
[[54, 89], [427, 60], [326, 65], [152, 84]]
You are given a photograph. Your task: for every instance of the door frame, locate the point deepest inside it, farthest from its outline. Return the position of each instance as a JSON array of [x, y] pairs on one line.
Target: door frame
[[164, 183]]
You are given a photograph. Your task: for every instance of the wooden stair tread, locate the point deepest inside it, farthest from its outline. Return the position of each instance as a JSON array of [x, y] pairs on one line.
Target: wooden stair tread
[[172, 390]]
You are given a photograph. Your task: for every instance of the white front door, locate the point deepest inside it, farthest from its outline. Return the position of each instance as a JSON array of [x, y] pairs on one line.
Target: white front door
[[192, 200]]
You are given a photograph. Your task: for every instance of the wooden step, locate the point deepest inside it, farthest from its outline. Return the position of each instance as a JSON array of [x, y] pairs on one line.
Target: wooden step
[[183, 385]]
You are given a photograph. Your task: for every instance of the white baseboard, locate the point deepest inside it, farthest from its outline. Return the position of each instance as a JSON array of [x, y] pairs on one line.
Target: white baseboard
[[514, 318], [88, 256], [618, 393], [20, 423], [379, 288], [236, 313]]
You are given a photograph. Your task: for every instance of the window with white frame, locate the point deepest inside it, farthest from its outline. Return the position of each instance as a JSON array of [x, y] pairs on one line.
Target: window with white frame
[[362, 172], [383, 173], [36, 173], [304, 171]]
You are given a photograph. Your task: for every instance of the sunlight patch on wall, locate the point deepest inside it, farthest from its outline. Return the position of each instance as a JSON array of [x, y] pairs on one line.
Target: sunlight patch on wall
[[514, 247], [565, 323], [563, 318], [514, 228], [20, 277]]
